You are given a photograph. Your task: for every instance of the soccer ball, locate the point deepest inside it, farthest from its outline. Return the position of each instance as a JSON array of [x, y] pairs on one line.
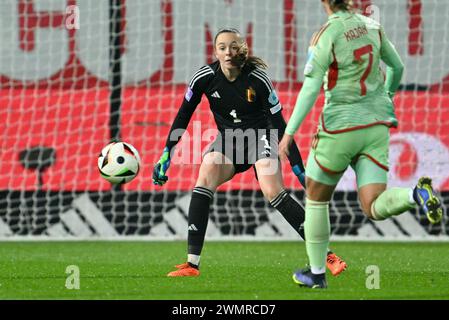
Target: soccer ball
[[119, 162]]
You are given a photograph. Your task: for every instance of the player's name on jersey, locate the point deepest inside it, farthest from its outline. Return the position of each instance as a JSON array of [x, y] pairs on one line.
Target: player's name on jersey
[[356, 33]]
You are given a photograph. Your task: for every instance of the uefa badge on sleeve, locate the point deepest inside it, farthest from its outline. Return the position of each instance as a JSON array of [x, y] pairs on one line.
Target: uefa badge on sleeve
[[273, 98], [188, 94], [309, 66], [308, 69]]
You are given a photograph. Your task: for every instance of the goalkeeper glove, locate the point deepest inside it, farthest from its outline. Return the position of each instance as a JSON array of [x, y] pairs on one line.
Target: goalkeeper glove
[[300, 174], [161, 167]]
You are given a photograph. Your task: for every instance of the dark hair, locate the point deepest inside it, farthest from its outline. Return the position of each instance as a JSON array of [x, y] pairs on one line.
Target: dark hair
[[346, 5], [242, 57]]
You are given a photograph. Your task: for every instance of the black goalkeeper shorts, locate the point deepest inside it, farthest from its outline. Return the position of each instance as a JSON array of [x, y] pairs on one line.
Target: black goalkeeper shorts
[[245, 148]]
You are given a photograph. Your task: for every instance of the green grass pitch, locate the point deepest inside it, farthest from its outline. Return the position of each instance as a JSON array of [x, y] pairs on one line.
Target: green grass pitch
[[230, 270]]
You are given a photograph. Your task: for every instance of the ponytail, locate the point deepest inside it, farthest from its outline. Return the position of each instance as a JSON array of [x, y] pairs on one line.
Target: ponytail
[[242, 57]]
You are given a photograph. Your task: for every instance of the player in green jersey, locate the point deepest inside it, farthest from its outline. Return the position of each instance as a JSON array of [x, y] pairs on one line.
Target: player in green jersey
[[353, 131]]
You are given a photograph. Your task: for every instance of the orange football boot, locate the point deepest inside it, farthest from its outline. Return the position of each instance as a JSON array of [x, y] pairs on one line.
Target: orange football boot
[[184, 270], [335, 264]]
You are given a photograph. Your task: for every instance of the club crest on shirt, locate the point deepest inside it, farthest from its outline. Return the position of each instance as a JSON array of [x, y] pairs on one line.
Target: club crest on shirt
[[250, 94]]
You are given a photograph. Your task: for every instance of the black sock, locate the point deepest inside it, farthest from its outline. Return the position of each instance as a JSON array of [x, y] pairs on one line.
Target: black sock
[[198, 218], [292, 211]]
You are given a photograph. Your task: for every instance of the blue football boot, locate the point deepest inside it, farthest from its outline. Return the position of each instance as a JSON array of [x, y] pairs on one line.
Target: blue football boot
[[305, 278], [427, 200]]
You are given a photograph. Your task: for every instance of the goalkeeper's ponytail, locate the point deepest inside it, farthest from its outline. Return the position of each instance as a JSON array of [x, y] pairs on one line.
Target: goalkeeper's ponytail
[[243, 58]]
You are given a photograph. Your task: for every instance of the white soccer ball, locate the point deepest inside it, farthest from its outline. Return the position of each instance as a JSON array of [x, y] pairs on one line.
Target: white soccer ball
[[119, 162]]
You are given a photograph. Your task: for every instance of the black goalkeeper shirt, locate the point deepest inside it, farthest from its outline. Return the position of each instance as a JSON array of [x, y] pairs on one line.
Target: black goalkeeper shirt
[[248, 102]]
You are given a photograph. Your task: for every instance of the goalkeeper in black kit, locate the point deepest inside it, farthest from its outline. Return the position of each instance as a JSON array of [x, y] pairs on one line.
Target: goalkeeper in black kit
[[249, 120]]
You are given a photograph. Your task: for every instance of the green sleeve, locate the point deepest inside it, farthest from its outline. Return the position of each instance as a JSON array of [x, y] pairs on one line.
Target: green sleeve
[[320, 53], [318, 61], [395, 67], [306, 99]]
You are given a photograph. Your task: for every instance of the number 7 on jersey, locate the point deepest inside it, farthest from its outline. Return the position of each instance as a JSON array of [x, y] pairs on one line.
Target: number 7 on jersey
[[358, 53]]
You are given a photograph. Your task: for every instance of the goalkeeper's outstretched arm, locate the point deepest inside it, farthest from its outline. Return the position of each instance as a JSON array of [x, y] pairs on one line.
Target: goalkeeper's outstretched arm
[[177, 129], [191, 100], [180, 124]]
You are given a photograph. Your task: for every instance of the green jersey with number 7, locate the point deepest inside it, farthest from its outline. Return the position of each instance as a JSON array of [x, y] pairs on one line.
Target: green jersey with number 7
[[347, 51]]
